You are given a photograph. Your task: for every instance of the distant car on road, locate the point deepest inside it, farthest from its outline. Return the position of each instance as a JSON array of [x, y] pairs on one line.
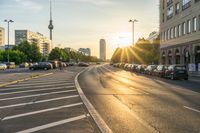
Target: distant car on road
[[41, 66], [83, 64], [140, 68], [176, 72], [3, 66]]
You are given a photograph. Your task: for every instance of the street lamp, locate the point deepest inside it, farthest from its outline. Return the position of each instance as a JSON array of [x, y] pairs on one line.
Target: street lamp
[[8, 21], [133, 21]]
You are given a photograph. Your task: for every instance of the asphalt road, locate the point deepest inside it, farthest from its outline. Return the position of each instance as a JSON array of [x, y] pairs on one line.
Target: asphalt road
[[47, 104], [134, 103]]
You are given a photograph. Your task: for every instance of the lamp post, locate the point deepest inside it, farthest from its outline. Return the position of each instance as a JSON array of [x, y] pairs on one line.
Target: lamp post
[[8, 21], [133, 22]]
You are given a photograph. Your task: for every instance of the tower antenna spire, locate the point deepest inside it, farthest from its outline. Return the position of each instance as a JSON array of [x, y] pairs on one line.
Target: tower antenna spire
[[51, 21]]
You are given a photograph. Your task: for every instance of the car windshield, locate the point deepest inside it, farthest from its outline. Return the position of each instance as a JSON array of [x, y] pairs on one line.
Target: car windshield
[[180, 68]]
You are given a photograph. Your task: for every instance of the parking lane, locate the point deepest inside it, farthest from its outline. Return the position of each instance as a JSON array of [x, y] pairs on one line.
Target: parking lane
[[43, 103]]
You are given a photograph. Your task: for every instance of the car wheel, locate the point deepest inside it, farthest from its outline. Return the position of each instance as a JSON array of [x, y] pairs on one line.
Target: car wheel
[[185, 78]]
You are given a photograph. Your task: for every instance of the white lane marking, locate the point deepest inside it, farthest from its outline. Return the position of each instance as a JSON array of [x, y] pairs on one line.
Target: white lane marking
[[195, 110], [142, 91], [95, 115], [41, 111], [41, 94], [53, 124], [40, 83], [36, 90], [34, 87], [35, 102]]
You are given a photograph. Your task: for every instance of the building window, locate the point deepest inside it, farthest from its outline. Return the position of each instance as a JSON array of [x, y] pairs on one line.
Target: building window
[[163, 18], [175, 32], [179, 30], [170, 12], [163, 4], [186, 4], [172, 33], [169, 2], [177, 8], [184, 28], [189, 26], [195, 24]]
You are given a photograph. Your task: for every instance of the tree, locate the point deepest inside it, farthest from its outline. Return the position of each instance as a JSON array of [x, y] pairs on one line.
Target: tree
[[31, 50]]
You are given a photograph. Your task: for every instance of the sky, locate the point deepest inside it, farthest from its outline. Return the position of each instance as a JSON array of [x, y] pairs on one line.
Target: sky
[[82, 23]]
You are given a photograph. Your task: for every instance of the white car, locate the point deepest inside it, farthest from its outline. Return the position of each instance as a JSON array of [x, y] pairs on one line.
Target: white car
[[3, 66]]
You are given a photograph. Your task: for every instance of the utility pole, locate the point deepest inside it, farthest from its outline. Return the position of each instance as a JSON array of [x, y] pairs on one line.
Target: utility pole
[[133, 22], [8, 22]]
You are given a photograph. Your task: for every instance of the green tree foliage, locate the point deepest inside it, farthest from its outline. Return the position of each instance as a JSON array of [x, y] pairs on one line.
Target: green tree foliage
[[65, 55], [15, 56], [31, 50], [143, 52]]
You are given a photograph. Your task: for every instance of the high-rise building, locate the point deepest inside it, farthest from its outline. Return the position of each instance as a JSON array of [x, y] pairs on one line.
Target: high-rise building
[[102, 49], [180, 31], [43, 42], [2, 36], [85, 51]]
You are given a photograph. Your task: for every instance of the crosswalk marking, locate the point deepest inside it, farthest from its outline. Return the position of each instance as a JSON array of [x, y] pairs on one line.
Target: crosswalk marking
[[41, 94], [41, 111], [36, 90], [35, 102], [53, 124]]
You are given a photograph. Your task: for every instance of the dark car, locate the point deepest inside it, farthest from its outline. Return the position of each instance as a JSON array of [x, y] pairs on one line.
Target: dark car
[[24, 65], [177, 72], [41, 66], [160, 71], [150, 68]]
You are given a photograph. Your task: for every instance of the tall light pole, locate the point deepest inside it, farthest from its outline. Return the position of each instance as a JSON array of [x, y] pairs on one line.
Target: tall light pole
[[133, 22], [8, 21]]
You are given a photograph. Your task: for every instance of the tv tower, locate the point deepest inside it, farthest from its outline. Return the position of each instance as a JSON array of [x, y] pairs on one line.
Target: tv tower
[[50, 22]]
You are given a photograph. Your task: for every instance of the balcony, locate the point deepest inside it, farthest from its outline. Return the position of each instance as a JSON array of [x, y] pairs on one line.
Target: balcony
[[187, 5], [170, 2]]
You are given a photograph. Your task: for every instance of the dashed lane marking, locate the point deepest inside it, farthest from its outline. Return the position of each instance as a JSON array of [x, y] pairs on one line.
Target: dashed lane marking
[[36, 102], [195, 110], [41, 94], [36, 90], [41, 111], [50, 125]]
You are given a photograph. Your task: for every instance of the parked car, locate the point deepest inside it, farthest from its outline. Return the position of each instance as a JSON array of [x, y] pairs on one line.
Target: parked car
[[3, 66], [140, 68], [10, 65], [150, 68], [83, 64], [176, 72], [160, 71], [134, 67], [126, 66], [24, 65], [41, 66], [55, 64]]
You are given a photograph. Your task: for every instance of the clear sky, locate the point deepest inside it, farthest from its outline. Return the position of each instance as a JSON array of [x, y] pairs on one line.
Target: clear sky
[[82, 23]]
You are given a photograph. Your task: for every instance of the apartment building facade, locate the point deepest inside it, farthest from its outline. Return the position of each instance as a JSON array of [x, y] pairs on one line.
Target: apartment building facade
[[2, 36], [180, 31], [43, 42]]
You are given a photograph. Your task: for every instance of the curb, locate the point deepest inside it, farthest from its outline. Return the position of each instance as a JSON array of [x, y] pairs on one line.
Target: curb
[[93, 113], [25, 79]]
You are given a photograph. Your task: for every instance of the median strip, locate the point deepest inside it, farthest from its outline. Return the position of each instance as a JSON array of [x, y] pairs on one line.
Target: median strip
[[25, 79]]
